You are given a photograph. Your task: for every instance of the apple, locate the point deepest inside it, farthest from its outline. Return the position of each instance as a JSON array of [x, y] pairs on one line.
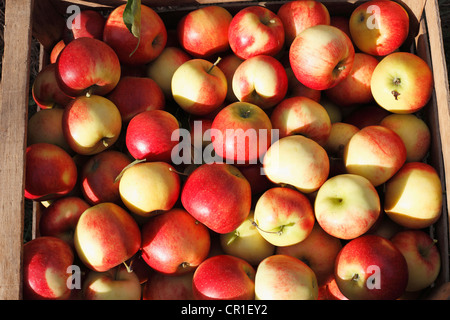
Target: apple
[[106, 236], [371, 267], [45, 264], [414, 132], [335, 112], [46, 126], [355, 89], [150, 135], [256, 30], [217, 195], [86, 23], [199, 86], [228, 64], [247, 243], [134, 95], [87, 65], [46, 91], [114, 284], [98, 176], [330, 290], [340, 135], [162, 68], [385, 227], [379, 27], [261, 80], [254, 173], [376, 153], [284, 216], [297, 16], [402, 83], [413, 196], [131, 50], [321, 56], [296, 88], [283, 277], [56, 50], [168, 287], [365, 115], [224, 277], [304, 116], [347, 206], [297, 161], [422, 256], [148, 187], [91, 124], [319, 251], [50, 172], [60, 218], [174, 243], [241, 133], [203, 32]]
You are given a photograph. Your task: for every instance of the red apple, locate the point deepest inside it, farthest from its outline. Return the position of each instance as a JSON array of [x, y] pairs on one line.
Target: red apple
[[321, 56], [330, 290], [370, 267], [56, 50], [45, 269], [129, 49], [228, 64], [224, 277], [168, 287], [256, 30], [204, 32], [133, 95], [50, 172], [217, 195], [298, 89], [174, 243], [254, 173], [87, 65], [86, 23]]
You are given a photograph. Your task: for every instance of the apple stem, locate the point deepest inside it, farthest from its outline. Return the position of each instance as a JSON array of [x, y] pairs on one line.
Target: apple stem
[[127, 167], [279, 232], [89, 92], [425, 251], [128, 267], [105, 143], [341, 68], [178, 172], [215, 64], [355, 277], [234, 237]]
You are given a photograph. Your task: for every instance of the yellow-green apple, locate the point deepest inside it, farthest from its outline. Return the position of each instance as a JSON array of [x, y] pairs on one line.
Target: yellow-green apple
[[371, 267], [50, 172], [376, 153], [46, 91], [254, 173], [203, 32], [199, 86], [247, 243], [130, 49], [379, 27], [341, 22], [168, 287], [148, 187], [256, 30], [224, 277], [56, 50], [87, 65], [347, 206], [114, 284], [134, 95], [91, 124], [86, 23], [413, 196], [414, 132], [60, 218], [402, 83], [241, 133], [261, 80], [106, 235], [355, 89], [296, 88], [321, 56], [303, 116], [283, 277], [228, 64], [284, 216], [46, 126], [365, 115], [98, 176], [319, 251], [162, 68], [174, 243], [422, 256], [340, 135], [217, 195], [300, 15], [149, 135], [297, 161], [45, 264]]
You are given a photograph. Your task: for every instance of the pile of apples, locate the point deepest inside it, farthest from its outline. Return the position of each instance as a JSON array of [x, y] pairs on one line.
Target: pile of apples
[[246, 154]]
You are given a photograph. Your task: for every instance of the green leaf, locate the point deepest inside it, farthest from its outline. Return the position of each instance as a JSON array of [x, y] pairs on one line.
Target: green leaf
[[132, 19]]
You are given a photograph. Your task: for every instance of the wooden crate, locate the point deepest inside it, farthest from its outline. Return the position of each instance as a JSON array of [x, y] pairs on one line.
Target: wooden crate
[[44, 20]]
